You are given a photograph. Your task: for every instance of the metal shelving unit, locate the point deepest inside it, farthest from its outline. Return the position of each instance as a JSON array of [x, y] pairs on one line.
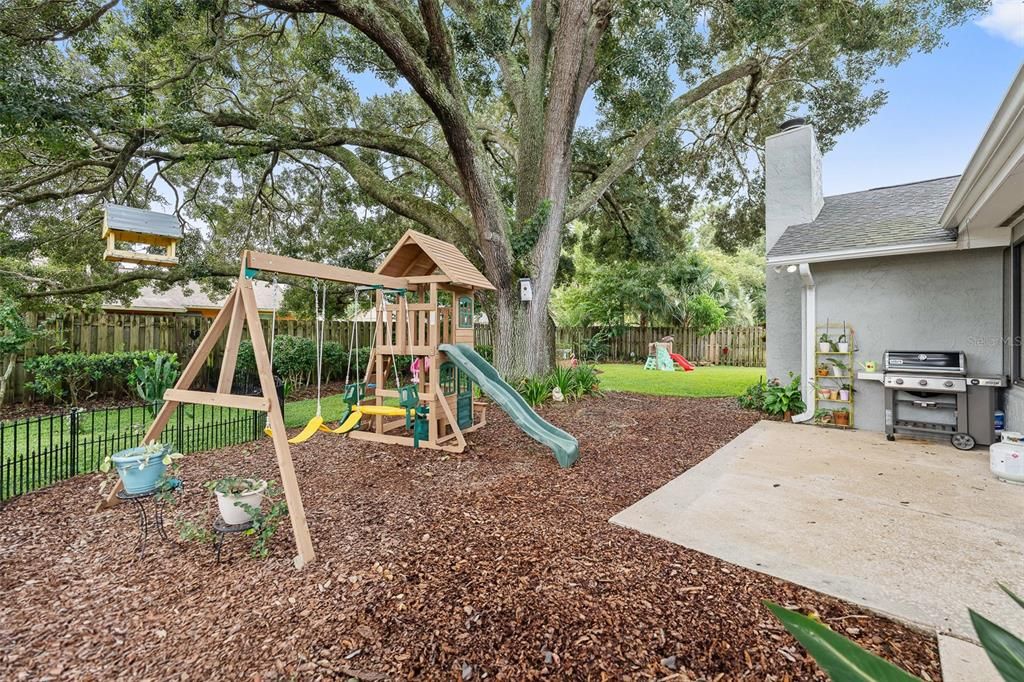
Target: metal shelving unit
[[833, 382]]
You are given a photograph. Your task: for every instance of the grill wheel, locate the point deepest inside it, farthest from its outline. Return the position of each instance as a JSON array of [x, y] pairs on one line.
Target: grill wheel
[[962, 441]]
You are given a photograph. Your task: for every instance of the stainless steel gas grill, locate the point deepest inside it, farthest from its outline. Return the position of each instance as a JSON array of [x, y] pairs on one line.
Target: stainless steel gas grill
[[926, 395]]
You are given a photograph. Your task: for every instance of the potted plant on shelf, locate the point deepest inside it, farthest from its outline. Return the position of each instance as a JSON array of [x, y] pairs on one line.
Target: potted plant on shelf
[[822, 369], [845, 391], [141, 469], [841, 417], [824, 343], [238, 498], [823, 416], [825, 393], [839, 368]]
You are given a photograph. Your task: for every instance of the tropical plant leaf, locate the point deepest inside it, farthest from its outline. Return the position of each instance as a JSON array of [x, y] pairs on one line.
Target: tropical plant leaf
[[1004, 649], [1014, 597], [843, 660]]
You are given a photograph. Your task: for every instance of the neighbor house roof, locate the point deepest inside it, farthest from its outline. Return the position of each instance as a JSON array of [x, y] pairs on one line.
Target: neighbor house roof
[[176, 300], [419, 254], [896, 216]]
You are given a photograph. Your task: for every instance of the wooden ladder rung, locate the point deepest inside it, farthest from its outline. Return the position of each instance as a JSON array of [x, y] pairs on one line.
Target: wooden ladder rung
[[245, 402]]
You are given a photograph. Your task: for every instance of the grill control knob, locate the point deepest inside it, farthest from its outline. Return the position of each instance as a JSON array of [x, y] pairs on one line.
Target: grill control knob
[[923, 382], [899, 381], [947, 384], [975, 382]]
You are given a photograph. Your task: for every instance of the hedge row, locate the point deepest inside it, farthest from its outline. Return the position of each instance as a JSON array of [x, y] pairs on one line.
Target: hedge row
[[72, 377]]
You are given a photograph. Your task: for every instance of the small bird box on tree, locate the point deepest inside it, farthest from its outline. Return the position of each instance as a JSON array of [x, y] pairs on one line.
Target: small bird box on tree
[[136, 225]]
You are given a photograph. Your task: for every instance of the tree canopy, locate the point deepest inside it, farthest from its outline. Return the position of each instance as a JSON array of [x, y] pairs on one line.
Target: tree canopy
[[322, 128]]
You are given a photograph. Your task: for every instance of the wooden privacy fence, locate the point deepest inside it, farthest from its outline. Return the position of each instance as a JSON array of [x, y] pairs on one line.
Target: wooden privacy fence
[[108, 333], [737, 346]]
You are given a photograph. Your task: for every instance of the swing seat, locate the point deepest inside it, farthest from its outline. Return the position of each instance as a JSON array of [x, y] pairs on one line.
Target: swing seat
[[409, 396], [348, 423], [305, 434], [382, 410], [354, 393]]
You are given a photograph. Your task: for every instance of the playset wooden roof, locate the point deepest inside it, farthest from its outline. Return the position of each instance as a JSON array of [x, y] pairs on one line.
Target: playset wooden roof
[[417, 254]]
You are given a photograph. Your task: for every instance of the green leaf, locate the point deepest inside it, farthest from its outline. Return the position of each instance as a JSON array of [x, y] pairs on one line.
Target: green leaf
[[1014, 597], [1005, 650], [843, 660]]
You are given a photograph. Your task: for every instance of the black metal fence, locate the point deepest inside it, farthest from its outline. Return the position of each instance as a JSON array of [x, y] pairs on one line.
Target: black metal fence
[[39, 451]]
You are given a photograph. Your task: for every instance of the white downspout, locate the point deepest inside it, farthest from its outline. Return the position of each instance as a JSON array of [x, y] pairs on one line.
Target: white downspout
[[808, 314]]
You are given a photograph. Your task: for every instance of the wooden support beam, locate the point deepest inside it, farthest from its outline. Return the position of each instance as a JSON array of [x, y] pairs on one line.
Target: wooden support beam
[[245, 402], [284, 265], [230, 359], [188, 375], [292, 495]]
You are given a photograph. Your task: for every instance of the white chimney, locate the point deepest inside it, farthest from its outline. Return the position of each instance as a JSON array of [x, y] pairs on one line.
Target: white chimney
[[792, 193]]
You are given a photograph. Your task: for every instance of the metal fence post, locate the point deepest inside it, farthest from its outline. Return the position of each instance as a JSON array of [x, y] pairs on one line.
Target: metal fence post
[[179, 431], [73, 431]]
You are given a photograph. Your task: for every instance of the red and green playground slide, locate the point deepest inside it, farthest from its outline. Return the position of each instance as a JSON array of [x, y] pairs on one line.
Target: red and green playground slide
[[682, 362]]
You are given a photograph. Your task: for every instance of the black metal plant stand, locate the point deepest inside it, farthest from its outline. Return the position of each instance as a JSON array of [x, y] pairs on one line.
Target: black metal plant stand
[[222, 529], [139, 500]]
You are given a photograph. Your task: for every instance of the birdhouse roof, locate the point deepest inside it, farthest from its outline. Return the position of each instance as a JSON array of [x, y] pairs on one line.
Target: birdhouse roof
[[140, 221], [417, 254]]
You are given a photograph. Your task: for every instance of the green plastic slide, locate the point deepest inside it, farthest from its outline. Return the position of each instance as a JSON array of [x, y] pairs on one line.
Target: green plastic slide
[[563, 444]]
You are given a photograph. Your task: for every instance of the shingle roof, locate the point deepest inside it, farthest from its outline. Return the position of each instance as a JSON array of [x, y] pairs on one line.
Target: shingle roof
[[885, 216], [176, 300], [420, 254]]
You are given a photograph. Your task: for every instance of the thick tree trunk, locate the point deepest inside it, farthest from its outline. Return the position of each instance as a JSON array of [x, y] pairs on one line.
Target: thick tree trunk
[[6, 376]]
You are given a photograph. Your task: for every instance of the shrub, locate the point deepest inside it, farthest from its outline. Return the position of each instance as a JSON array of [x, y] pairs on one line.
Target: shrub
[[72, 377], [753, 397], [154, 376], [486, 352], [294, 358], [535, 390], [782, 398]]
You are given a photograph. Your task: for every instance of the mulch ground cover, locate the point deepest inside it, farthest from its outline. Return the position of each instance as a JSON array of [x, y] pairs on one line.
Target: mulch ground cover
[[494, 564]]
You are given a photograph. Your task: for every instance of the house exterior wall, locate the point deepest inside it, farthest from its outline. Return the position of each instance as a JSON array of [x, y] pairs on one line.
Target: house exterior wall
[[1013, 397], [937, 301]]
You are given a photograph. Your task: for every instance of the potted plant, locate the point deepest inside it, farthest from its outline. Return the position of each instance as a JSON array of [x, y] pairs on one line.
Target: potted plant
[[844, 391], [141, 469], [839, 368], [841, 417], [825, 393], [822, 369], [784, 399], [823, 416], [238, 498], [824, 343]]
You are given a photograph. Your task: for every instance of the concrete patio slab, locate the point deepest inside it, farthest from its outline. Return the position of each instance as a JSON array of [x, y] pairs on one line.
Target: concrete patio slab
[[919, 531]]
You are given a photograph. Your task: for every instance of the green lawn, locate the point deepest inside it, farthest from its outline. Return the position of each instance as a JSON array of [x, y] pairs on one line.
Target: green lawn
[[703, 382]]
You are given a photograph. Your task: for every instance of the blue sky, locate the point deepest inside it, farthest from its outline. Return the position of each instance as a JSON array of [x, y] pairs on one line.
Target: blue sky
[[939, 106]]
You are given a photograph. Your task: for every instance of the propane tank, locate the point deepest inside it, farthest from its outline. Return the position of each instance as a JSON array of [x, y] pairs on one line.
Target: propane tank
[[1006, 458]]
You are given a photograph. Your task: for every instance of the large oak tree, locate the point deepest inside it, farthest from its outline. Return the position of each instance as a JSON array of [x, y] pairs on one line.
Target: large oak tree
[[259, 117]]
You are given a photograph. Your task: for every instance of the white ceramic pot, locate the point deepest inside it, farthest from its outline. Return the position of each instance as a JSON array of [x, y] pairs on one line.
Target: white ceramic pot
[[234, 514], [824, 347], [837, 371], [844, 394], [844, 347]]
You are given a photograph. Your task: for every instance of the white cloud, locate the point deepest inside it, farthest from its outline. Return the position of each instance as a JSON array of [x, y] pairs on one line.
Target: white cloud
[[1006, 20]]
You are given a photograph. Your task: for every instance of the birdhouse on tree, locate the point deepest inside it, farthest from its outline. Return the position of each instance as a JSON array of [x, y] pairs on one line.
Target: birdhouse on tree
[[139, 226]]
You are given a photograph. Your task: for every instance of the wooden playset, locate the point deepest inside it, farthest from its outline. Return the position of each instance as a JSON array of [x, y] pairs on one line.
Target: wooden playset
[[424, 308]]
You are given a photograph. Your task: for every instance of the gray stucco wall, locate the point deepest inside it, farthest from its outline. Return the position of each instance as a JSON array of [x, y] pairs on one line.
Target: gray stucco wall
[[938, 301]]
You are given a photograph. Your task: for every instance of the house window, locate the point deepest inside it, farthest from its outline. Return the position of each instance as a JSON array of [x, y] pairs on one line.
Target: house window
[[465, 312]]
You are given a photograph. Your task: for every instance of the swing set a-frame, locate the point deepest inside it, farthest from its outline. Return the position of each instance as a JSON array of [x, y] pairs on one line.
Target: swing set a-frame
[[411, 319]]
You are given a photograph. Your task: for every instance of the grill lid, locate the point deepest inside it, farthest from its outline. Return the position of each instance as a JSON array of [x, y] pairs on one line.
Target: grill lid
[[945, 362]]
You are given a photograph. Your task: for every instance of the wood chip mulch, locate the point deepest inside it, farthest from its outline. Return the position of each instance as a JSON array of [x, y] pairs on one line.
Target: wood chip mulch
[[491, 564]]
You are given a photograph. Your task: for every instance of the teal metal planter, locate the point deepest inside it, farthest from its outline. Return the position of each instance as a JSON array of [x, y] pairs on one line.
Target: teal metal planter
[[139, 474]]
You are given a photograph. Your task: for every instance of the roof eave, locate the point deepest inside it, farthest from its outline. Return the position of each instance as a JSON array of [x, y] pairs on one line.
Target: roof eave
[[978, 174], [869, 252]]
